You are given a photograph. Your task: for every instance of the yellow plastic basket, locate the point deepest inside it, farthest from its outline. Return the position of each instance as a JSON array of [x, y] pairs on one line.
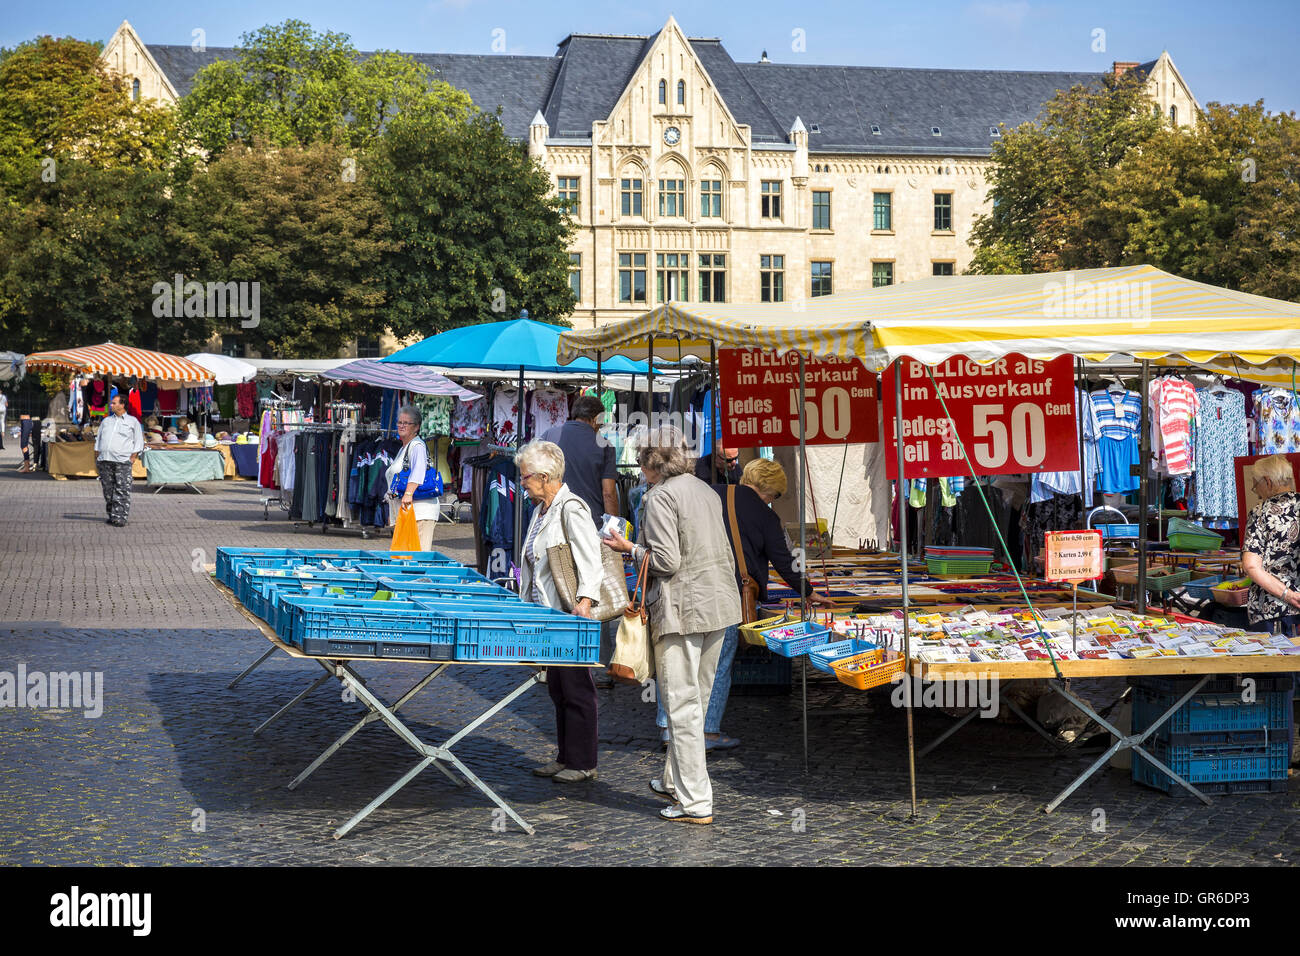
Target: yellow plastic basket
[[752, 633], [868, 670]]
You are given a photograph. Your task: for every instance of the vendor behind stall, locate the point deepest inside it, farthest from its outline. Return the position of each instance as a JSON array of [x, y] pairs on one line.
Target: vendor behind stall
[[1271, 552]]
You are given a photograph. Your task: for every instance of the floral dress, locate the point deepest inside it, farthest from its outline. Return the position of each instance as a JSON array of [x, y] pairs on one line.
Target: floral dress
[[469, 419], [1273, 533]]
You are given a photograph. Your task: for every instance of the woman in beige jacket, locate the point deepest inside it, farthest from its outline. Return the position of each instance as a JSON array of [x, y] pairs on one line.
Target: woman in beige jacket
[[692, 599]]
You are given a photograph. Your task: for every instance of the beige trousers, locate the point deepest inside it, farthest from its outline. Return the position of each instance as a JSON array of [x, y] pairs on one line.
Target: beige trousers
[[685, 664], [425, 529]]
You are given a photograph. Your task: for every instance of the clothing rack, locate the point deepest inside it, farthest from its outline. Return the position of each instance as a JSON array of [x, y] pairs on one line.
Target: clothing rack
[[277, 406]]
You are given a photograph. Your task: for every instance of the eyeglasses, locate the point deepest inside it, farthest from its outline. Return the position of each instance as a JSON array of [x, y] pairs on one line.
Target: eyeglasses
[[406, 424], [732, 460], [533, 474]]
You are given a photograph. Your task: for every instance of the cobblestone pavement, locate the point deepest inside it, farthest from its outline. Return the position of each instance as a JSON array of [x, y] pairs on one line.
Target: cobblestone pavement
[[128, 787]]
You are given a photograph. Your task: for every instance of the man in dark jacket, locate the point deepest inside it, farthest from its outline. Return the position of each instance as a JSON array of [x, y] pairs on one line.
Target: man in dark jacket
[[720, 468]]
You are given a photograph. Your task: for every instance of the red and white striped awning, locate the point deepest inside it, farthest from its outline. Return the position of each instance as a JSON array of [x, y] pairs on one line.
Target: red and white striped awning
[[123, 361]]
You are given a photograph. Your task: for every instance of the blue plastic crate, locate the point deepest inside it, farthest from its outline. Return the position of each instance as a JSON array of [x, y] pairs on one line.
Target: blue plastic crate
[[1226, 684], [821, 656], [557, 638], [1116, 530], [490, 631], [1271, 710], [1264, 759], [253, 585], [410, 584], [399, 557], [447, 572], [756, 672], [226, 570], [389, 628], [1200, 589], [795, 638]]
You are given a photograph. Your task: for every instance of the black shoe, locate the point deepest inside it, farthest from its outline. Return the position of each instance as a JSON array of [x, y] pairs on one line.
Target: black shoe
[[118, 524], [108, 521]]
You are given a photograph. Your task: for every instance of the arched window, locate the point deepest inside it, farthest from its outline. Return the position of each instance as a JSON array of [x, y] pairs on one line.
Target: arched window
[[135, 90], [681, 92], [663, 91], [1173, 115]]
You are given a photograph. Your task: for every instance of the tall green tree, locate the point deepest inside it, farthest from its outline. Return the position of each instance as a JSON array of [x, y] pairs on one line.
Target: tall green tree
[[79, 256], [290, 85], [302, 223], [477, 234], [58, 102], [1044, 172]]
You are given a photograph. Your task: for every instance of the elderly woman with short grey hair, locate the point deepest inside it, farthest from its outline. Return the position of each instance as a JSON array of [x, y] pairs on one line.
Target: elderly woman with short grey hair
[[562, 517], [692, 599], [414, 455]]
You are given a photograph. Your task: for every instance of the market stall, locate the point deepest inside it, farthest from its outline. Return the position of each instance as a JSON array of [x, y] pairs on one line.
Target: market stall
[[998, 328], [110, 363], [520, 350]]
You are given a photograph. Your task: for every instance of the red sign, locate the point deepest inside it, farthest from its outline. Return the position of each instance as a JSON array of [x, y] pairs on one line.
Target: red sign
[[760, 400], [1013, 416]]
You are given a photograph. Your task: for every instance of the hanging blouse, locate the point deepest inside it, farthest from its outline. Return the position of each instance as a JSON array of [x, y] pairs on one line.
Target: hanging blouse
[[469, 420], [549, 407], [1220, 437], [1277, 421], [1173, 405]]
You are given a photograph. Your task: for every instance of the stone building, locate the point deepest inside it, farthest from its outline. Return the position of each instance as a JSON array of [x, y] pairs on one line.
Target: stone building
[[693, 176]]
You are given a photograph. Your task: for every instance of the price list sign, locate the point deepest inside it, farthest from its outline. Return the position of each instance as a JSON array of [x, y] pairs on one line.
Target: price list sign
[[1073, 556], [759, 400], [1013, 416]]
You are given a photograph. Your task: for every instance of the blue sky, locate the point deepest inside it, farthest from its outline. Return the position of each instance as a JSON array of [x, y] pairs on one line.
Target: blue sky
[[1229, 52]]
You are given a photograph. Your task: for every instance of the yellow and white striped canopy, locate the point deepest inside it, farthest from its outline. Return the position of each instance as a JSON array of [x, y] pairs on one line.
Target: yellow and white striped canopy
[[1132, 311]]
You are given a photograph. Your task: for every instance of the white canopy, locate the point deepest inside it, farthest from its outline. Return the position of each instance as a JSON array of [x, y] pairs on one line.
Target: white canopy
[[228, 371]]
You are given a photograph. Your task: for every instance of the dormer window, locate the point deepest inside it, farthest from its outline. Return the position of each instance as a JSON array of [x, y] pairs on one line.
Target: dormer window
[[934, 131], [814, 128], [875, 130], [994, 132]]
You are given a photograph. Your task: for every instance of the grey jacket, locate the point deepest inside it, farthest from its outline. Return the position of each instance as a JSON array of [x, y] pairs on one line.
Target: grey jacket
[[692, 586]]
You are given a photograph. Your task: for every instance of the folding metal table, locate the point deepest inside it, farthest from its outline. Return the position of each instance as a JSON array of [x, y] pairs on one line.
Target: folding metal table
[[1203, 667], [342, 669]]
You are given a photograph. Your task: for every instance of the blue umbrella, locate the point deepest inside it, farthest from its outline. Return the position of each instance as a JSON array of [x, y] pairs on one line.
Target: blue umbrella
[[521, 343]]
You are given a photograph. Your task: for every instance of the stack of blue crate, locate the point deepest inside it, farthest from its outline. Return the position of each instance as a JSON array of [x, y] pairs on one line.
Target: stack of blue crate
[[1229, 738], [399, 604]]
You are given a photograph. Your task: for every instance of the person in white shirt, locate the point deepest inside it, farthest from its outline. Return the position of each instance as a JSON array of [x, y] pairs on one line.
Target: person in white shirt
[[414, 455], [4, 410], [118, 443]]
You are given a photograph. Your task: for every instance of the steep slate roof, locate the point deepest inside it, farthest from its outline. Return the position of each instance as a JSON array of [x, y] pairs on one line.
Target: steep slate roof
[[845, 100], [588, 74]]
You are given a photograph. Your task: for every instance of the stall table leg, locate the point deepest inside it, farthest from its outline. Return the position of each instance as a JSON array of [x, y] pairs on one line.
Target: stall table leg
[[430, 754], [1126, 742]]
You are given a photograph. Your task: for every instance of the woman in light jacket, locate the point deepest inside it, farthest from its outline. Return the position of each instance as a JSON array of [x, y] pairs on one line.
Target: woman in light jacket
[[692, 599], [573, 690]]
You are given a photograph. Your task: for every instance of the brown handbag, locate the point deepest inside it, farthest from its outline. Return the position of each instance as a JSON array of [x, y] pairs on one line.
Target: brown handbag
[[748, 586], [564, 571]]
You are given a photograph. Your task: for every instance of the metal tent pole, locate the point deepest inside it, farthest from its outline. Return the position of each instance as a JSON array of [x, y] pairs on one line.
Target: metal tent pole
[[1144, 452], [519, 488], [803, 547], [598, 373], [902, 561], [715, 422]]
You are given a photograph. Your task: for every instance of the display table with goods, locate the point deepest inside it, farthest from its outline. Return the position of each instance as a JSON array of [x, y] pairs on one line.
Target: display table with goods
[[182, 466], [339, 608], [76, 459], [1202, 726]]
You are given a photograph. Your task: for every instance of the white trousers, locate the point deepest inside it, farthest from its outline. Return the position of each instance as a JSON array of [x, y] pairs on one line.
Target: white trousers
[[685, 664]]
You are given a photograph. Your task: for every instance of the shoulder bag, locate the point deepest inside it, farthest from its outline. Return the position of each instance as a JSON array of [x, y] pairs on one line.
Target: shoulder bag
[[613, 578], [633, 659], [431, 487], [748, 586]]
